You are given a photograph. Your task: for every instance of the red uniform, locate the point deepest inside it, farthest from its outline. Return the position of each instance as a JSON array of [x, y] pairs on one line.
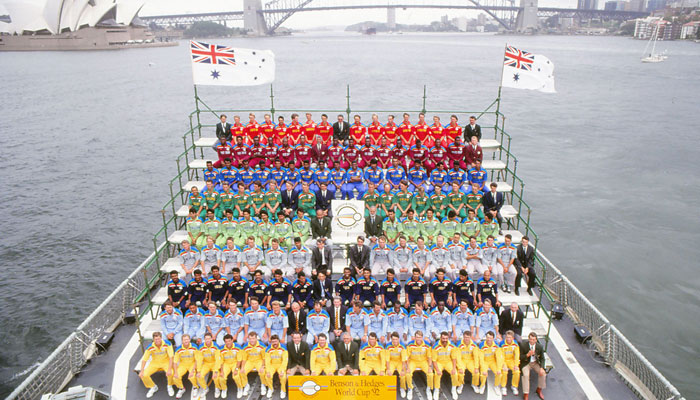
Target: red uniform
[[326, 132], [335, 155], [400, 153], [280, 132], [367, 153], [418, 154], [240, 153], [358, 132], [294, 132], [302, 153], [422, 132], [437, 131], [455, 154], [375, 130], [384, 155], [309, 130], [224, 151], [252, 130], [406, 132], [257, 154], [351, 154], [271, 153], [389, 132], [268, 132], [237, 130], [286, 155], [437, 154], [451, 132]]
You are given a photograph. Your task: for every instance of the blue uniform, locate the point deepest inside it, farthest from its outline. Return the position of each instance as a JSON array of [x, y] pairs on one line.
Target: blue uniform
[[349, 186], [262, 176], [256, 320], [397, 322], [322, 176], [357, 323], [194, 324], [478, 176], [338, 180], [247, 176], [234, 322], [172, 323], [229, 175], [395, 175], [367, 289], [317, 323], [279, 176], [438, 178], [375, 176], [213, 175], [390, 291], [295, 178], [307, 175], [417, 177]]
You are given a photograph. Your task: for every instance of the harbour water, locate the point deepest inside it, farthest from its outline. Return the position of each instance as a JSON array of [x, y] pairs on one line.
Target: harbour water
[[88, 142]]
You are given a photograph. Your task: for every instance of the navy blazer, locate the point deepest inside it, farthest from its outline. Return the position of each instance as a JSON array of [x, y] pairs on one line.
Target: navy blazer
[[288, 202], [324, 203], [490, 203]]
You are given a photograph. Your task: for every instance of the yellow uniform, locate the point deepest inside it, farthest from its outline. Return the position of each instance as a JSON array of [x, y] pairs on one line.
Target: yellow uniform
[[209, 361], [493, 359], [469, 358], [419, 357], [323, 360], [185, 361], [276, 363], [372, 359], [442, 356], [396, 356], [160, 358], [511, 361], [253, 360], [230, 356]]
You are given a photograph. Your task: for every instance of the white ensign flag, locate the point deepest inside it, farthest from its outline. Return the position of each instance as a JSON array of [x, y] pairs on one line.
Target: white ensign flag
[[523, 70], [218, 65]]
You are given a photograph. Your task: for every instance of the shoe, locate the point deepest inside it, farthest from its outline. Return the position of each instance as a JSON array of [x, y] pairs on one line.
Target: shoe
[[403, 393], [459, 389], [203, 391], [224, 393], [429, 394], [283, 394], [514, 389], [171, 391], [436, 393], [507, 289], [454, 393], [239, 393], [409, 394], [482, 389], [539, 393], [263, 390], [269, 393], [195, 393], [504, 391], [246, 390], [217, 393], [529, 291], [180, 393], [517, 291], [152, 391]]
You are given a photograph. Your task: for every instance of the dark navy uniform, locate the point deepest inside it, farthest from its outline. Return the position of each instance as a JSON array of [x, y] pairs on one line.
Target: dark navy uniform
[[390, 291], [218, 287], [301, 291], [440, 289], [258, 289], [345, 288], [487, 290], [367, 289], [238, 289], [197, 290], [279, 291], [177, 291], [415, 289], [464, 290]]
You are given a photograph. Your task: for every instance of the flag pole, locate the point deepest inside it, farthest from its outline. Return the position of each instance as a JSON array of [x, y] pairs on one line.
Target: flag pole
[[196, 106], [500, 86]]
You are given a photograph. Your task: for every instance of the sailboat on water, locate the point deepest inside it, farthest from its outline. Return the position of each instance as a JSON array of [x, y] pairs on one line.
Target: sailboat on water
[[653, 56]]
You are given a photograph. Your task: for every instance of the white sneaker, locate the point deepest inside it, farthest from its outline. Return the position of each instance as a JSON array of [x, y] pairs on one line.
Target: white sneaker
[[283, 394], [180, 393], [195, 393], [482, 389], [476, 389], [459, 389], [224, 393], [171, 391], [454, 393], [515, 390], [152, 391], [436, 393], [403, 393], [263, 391], [239, 393], [269, 393], [246, 390], [504, 391], [409, 394], [429, 394], [203, 391], [217, 393]]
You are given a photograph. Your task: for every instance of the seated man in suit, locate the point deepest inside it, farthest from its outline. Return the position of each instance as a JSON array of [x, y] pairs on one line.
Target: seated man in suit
[[525, 265], [320, 228], [348, 356], [337, 313], [321, 258], [373, 225], [532, 359], [297, 320], [290, 197], [322, 290], [298, 356], [358, 256], [323, 198], [512, 320], [493, 201]]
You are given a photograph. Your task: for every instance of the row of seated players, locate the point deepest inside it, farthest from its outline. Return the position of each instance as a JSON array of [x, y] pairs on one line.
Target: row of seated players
[[506, 263], [381, 353], [352, 182], [295, 132]]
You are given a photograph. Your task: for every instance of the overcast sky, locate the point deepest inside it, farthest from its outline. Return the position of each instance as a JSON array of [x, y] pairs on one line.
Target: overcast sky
[[325, 18]]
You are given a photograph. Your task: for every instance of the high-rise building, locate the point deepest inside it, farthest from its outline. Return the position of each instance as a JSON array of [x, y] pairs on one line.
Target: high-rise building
[[653, 5], [587, 4]]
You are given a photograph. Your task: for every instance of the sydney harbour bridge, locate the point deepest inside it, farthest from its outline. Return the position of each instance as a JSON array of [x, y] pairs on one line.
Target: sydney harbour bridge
[[263, 18]]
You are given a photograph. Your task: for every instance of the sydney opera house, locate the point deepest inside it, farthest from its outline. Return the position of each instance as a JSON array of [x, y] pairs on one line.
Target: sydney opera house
[[73, 25]]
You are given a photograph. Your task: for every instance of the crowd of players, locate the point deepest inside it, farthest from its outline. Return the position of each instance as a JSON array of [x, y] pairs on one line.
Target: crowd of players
[[257, 289]]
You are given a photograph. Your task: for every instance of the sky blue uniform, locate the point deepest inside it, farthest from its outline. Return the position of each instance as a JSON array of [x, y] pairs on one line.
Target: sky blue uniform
[[172, 323], [419, 323], [317, 323], [440, 321], [357, 323], [378, 324], [397, 322], [234, 321], [194, 324], [463, 321], [215, 322], [256, 320], [277, 324]]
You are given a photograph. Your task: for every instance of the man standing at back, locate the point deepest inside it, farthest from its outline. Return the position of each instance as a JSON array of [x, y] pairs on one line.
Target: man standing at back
[[341, 129], [473, 129], [223, 129]]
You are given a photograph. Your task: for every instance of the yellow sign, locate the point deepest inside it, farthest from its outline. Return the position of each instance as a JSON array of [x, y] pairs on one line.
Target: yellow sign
[[341, 387]]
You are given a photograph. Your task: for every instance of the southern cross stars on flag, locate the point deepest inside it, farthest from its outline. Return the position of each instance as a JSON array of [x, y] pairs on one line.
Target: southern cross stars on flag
[[221, 65]]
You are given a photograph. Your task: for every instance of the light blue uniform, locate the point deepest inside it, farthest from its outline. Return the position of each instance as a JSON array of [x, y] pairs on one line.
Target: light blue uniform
[[440, 321], [486, 322], [463, 321], [233, 323], [277, 324], [397, 322], [194, 324], [378, 324], [317, 323], [256, 320], [419, 323], [357, 323], [215, 322], [172, 323]]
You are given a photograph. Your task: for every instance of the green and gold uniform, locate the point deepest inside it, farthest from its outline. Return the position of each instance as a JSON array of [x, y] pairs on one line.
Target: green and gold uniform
[[404, 200], [437, 202], [213, 200], [372, 199], [420, 204], [456, 200], [307, 203]]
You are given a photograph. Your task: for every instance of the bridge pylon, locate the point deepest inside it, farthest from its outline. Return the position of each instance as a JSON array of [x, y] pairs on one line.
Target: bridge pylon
[[253, 19], [527, 17]]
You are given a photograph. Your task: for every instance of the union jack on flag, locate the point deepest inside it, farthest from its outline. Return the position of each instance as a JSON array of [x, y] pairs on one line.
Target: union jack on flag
[[211, 53], [519, 59]]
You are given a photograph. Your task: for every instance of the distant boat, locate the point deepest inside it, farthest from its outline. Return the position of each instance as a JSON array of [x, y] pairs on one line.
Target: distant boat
[[653, 57]]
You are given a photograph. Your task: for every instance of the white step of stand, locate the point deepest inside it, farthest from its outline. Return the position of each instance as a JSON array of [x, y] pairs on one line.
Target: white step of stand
[[199, 184], [199, 163], [489, 144], [508, 211], [523, 300], [184, 211], [502, 187], [491, 164], [177, 237], [516, 235], [172, 264], [161, 296], [205, 142]]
